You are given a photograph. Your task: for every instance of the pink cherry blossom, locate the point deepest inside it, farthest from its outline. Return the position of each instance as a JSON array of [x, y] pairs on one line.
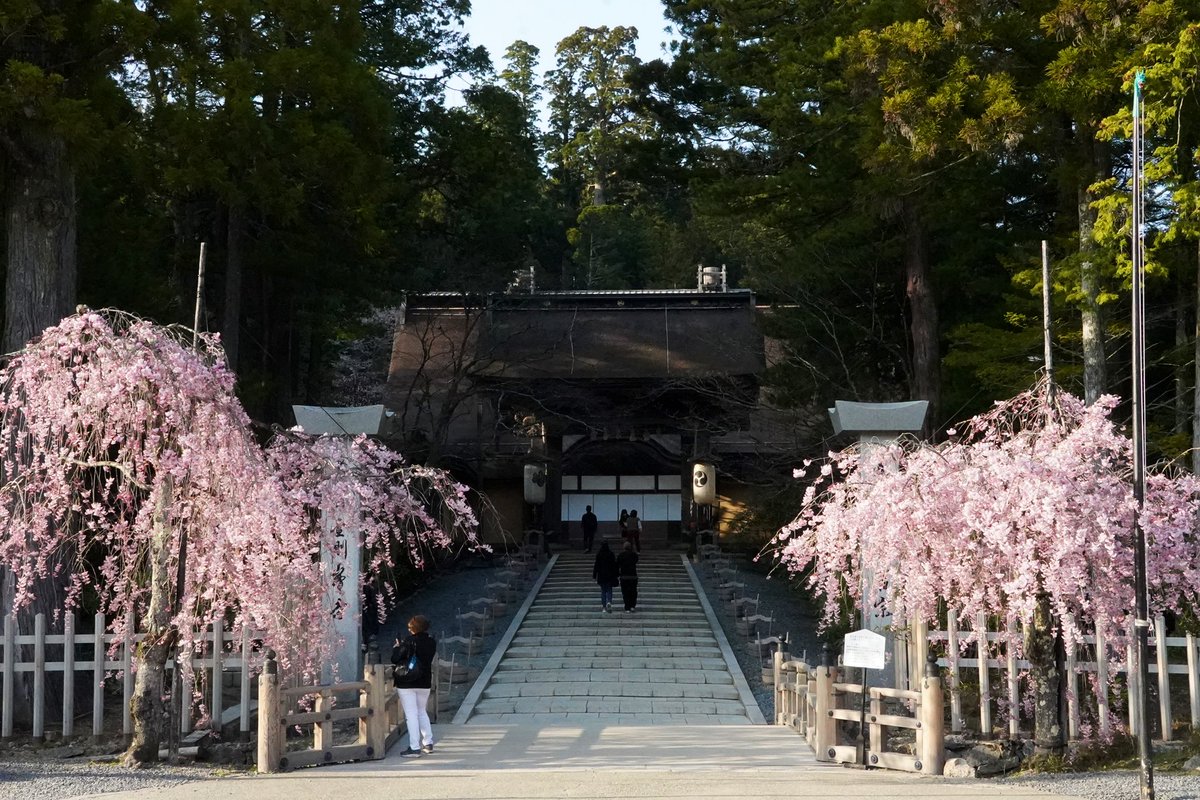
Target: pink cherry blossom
[[1033, 499], [122, 441]]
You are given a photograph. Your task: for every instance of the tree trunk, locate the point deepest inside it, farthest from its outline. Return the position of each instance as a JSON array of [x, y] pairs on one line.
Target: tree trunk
[[926, 356], [1095, 372], [1181, 341], [146, 705], [39, 218], [39, 205], [231, 316], [1040, 651], [1196, 376]]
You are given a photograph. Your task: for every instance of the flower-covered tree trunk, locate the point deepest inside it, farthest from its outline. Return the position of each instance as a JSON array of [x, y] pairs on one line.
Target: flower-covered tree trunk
[[146, 705], [1041, 636]]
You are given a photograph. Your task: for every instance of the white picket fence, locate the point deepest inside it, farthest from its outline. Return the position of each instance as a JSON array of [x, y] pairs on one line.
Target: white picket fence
[[1002, 657], [112, 658]]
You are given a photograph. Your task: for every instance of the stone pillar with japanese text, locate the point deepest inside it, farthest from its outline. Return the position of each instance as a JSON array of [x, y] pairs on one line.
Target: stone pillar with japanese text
[[878, 426], [344, 559]]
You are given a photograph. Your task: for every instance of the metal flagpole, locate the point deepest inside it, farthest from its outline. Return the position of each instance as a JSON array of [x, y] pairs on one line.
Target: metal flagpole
[[1141, 603]]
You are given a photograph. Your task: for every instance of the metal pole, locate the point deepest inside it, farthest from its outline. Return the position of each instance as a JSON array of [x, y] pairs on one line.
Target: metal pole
[[1138, 319], [1047, 331]]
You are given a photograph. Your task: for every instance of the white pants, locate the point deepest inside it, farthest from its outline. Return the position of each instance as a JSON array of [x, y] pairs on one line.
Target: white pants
[[415, 703]]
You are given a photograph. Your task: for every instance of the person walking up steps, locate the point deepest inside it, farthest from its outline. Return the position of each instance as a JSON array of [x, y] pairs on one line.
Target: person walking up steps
[[588, 523], [627, 572], [413, 679], [604, 571], [633, 526]]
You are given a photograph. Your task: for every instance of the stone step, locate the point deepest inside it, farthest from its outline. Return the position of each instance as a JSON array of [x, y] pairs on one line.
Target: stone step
[[568, 661], [587, 662], [614, 639], [611, 704], [691, 650], [595, 618], [714, 691]]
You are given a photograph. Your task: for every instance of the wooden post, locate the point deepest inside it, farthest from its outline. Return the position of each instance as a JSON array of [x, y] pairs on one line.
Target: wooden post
[[902, 648], [98, 657], [10, 658], [39, 677], [985, 687], [214, 706], [323, 730], [270, 722], [68, 708], [185, 655], [127, 645], [244, 717], [920, 651], [1193, 681], [1164, 676], [1072, 678], [952, 654], [932, 742], [1102, 681], [825, 724], [778, 665], [1014, 698], [373, 729]]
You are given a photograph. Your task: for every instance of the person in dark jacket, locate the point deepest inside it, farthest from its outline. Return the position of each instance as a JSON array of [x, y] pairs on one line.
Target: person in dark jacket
[[413, 679], [627, 572], [604, 572], [588, 525]]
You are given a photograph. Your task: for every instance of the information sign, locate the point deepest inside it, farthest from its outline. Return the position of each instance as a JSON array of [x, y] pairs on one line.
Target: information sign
[[865, 649]]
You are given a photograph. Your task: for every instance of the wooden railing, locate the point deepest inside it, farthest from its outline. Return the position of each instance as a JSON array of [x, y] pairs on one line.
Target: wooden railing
[[812, 701], [112, 654], [377, 710]]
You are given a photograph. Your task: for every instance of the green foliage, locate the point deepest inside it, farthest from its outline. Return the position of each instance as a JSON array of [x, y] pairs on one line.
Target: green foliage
[[817, 150]]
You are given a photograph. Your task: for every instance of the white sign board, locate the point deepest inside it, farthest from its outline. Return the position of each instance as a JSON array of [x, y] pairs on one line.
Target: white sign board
[[864, 649]]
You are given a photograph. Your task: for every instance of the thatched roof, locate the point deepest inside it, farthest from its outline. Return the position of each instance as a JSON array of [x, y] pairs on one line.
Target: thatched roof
[[657, 337]]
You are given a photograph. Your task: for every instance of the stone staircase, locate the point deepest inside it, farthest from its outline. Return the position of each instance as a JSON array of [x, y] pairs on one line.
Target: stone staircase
[[568, 662]]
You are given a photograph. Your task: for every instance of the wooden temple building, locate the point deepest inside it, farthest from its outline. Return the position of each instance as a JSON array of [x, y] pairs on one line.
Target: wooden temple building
[[612, 396]]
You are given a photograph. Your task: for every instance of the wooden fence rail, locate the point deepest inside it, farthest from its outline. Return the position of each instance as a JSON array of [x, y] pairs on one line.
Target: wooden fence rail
[[377, 709], [812, 700], [1000, 664], [110, 656]]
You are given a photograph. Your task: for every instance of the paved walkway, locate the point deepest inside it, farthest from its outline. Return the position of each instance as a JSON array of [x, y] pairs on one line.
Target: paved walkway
[[595, 760], [568, 662], [575, 703]]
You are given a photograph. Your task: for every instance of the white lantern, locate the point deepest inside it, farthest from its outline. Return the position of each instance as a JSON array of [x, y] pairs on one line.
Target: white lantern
[[535, 484], [704, 484]]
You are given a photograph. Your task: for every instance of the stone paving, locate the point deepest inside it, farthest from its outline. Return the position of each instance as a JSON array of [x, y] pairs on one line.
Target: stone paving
[[568, 662]]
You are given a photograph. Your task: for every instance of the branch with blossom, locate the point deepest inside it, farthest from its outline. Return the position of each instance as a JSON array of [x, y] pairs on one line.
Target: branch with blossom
[[121, 442], [357, 486], [1033, 499]]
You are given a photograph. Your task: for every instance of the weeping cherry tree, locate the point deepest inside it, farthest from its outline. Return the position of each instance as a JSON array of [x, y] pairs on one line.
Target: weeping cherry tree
[[127, 455], [1027, 516]]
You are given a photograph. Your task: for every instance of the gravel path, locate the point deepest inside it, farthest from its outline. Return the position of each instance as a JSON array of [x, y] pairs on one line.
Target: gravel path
[[29, 779], [41, 779]]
